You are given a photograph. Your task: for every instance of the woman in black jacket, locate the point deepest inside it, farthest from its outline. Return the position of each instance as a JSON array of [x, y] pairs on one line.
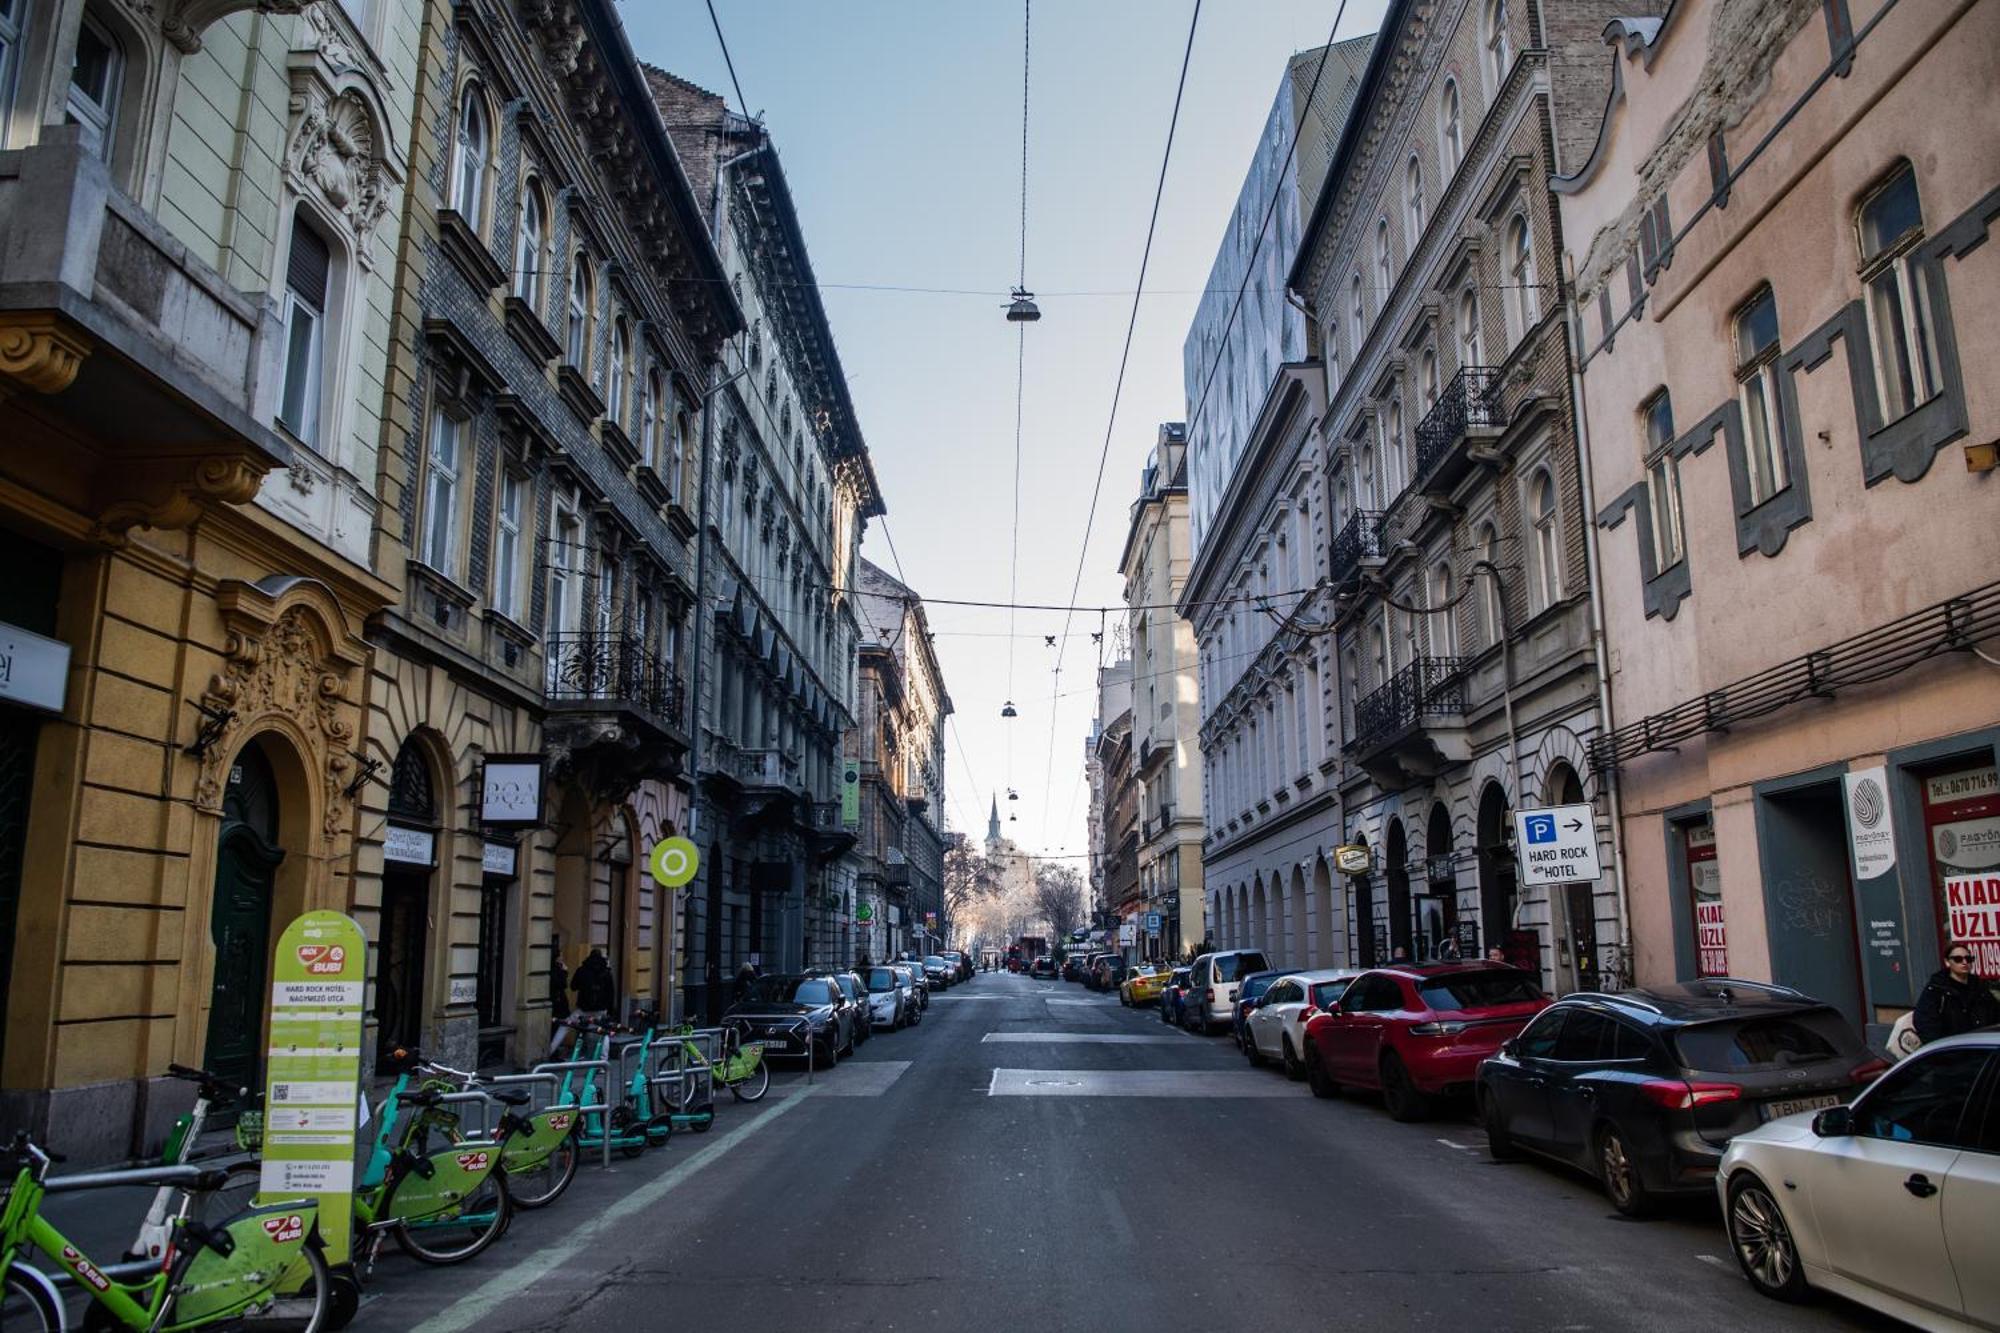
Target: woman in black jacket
[[1956, 1000]]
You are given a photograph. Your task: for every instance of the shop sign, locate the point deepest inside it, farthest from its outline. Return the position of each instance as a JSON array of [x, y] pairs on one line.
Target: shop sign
[[497, 858], [673, 862], [410, 846], [1871, 832], [511, 790], [34, 671], [1705, 882], [463, 990], [1127, 935], [1972, 906], [1966, 786], [1353, 859], [850, 795], [313, 1065]]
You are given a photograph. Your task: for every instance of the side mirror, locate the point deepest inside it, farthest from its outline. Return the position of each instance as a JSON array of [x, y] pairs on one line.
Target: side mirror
[[1834, 1122], [1511, 1048]]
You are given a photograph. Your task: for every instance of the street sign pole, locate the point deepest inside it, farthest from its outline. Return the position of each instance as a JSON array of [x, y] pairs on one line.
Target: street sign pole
[[1557, 847]]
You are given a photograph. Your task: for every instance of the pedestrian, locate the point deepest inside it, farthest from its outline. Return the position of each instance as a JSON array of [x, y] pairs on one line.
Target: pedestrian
[[1496, 955], [595, 990], [558, 998], [861, 963], [746, 976], [1399, 955], [1448, 949], [1956, 1000]]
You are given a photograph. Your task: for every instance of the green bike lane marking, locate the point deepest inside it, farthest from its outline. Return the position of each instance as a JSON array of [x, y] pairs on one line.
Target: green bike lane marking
[[474, 1310]]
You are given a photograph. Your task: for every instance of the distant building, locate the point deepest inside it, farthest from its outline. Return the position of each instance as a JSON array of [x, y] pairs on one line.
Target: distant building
[[1114, 851]]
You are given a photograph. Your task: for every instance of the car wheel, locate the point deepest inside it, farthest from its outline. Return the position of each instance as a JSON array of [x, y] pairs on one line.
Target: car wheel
[[1293, 1069], [1317, 1078], [1252, 1054], [1499, 1143], [1763, 1243], [1399, 1094], [1619, 1171]]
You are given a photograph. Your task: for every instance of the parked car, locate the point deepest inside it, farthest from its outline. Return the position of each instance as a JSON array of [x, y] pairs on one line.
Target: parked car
[[1142, 985], [1212, 981], [1107, 972], [1893, 1202], [888, 999], [1044, 968], [919, 988], [1646, 1088], [776, 1004], [856, 990], [960, 962], [1074, 966], [1249, 990], [1173, 996], [1417, 1032], [938, 972], [1276, 1027]]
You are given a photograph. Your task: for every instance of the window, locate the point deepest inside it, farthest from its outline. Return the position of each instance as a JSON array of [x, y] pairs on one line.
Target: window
[[1413, 193], [95, 75], [1539, 1041], [1470, 352], [1899, 318], [13, 16], [1499, 56], [576, 345], [468, 180], [306, 279], [1663, 482], [649, 420], [1925, 1101], [1364, 480], [1548, 554], [1586, 1038], [617, 371], [1427, 376], [1451, 137], [1385, 262], [1395, 449], [1757, 387], [1521, 304], [507, 545], [441, 475], [1360, 315], [529, 243], [1443, 617], [1488, 552]]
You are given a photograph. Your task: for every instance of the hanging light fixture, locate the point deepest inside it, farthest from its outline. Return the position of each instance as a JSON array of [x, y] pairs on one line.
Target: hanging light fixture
[[1007, 709], [1022, 309], [1013, 795]]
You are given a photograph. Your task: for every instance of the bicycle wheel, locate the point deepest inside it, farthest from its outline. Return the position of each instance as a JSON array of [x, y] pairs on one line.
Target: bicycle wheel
[[27, 1307], [540, 1186], [454, 1236], [671, 1095], [754, 1086], [307, 1310]]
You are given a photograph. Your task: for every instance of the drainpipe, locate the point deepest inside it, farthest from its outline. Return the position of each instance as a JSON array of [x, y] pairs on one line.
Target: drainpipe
[[1598, 650]]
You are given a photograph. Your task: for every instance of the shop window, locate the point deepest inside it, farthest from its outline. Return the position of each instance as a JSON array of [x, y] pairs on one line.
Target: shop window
[[1962, 833], [1891, 226], [1704, 886]]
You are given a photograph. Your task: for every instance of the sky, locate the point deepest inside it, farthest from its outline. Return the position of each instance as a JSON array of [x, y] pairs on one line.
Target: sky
[[899, 128]]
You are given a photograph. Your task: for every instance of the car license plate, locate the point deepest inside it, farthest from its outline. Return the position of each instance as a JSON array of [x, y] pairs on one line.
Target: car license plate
[[1794, 1105]]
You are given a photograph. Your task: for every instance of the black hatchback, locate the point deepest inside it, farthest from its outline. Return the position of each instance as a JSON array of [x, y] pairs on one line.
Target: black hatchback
[[1644, 1089]]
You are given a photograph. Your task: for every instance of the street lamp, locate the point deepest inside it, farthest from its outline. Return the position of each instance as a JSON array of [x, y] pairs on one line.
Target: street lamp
[[1022, 309]]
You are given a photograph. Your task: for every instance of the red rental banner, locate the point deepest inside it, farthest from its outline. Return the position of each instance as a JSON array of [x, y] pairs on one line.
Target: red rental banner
[[1973, 904]]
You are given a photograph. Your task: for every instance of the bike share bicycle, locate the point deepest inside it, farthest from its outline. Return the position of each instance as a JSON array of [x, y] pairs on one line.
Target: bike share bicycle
[[684, 1088], [540, 1161], [630, 1125]]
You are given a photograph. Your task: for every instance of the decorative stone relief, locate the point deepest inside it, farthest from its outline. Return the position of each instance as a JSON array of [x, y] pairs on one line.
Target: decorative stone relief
[[324, 33], [38, 352], [334, 155]]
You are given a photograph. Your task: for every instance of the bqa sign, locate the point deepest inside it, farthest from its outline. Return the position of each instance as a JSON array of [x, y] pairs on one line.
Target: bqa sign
[[1558, 845]]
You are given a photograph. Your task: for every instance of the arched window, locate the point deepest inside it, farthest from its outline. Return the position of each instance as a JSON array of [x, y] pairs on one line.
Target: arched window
[[468, 179], [756, 344], [649, 420], [1395, 448], [1378, 652], [1469, 344], [618, 371], [1521, 304], [530, 245], [1385, 262], [1364, 482], [1444, 617], [1360, 314], [576, 345], [1487, 548], [1427, 376], [1413, 193], [1499, 55], [1548, 555], [1451, 135]]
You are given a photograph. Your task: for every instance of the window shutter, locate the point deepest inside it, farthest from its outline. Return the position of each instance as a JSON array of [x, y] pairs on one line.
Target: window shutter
[[310, 263]]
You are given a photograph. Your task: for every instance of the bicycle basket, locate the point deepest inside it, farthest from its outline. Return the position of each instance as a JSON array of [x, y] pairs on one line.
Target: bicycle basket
[[250, 1130]]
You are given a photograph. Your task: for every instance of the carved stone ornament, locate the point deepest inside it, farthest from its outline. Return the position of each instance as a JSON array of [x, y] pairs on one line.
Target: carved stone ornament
[[183, 21], [173, 493], [39, 353], [334, 155], [324, 33], [287, 656]]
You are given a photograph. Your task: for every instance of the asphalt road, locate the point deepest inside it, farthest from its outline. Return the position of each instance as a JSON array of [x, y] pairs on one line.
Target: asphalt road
[[972, 1173]]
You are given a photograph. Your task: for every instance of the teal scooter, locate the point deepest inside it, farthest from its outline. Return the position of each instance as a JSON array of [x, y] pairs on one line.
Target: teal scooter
[[630, 1131]]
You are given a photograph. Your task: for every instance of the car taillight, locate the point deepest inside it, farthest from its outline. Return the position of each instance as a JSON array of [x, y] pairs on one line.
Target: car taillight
[[1867, 1069], [1437, 1029], [1211, 995], [1675, 1095]]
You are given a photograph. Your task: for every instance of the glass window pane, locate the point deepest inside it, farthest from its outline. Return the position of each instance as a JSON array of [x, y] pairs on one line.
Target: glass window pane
[[1885, 303], [1891, 212], [1924, 1101], [1757, 328]]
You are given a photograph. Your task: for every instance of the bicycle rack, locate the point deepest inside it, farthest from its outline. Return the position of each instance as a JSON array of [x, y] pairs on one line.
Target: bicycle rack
[[708, 1044], [602, 1108]]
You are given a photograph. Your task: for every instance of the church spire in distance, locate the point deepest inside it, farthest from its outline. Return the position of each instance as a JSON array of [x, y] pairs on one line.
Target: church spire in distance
[[993, 824]]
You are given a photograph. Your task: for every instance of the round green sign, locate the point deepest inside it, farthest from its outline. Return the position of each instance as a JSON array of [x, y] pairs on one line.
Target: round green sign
[[673, 861], [865, 912]]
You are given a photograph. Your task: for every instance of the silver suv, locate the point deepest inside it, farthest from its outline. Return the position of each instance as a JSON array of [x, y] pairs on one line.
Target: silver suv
[[1211, 1001]]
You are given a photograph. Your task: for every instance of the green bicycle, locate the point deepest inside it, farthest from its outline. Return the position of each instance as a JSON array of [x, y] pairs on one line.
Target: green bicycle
[[228, 1276], [739, 1066]]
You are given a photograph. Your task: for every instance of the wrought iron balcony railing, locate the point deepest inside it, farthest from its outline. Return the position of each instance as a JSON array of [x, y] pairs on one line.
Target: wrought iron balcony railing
[[1426, 688], [614, 669], [1468, 402], [1360, 539]]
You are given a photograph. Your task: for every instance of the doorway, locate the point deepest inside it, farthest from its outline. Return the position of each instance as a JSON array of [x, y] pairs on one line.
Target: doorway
[[1580, 900], [1808, 894], [247, 856], [1497, 889], [1364, 919], [409, 856], [1396, 870]]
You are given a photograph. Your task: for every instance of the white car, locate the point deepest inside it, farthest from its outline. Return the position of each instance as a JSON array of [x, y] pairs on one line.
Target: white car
[[1277, 1026], [888, 998], [1893, 1202]]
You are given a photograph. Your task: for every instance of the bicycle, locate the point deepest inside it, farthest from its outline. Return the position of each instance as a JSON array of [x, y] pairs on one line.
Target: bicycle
[[540, 1161], [242, 1176], [739, 1066], [226, 1276]]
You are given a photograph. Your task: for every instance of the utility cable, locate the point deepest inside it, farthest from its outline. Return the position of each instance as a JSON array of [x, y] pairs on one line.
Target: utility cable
[[723, 42]]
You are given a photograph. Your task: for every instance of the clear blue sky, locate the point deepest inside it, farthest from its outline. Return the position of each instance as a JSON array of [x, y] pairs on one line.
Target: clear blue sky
[[899, 127]]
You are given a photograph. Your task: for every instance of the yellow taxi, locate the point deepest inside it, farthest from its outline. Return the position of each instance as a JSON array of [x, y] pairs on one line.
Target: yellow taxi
[[1142, 985]]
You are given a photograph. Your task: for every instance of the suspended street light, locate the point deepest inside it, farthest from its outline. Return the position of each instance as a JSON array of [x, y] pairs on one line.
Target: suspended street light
[[1007, 709], [1023, 309]]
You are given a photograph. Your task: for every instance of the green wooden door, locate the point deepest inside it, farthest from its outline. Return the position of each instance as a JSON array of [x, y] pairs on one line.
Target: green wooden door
[[240, 929]]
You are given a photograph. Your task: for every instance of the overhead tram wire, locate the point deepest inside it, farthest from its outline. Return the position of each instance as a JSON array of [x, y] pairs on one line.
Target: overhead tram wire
[[1020, 389], [1117, 391], [723, 42]]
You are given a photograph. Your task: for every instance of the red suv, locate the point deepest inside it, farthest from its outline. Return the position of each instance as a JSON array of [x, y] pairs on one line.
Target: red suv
[[1418, 1032]]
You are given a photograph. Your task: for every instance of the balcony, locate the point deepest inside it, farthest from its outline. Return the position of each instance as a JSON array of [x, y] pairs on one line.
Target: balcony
[[1413, 727], [1356, 547], [615, 711], [1454, 433]]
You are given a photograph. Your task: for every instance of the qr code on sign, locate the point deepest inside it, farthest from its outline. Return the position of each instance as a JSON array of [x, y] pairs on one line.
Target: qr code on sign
[[281, 1092]]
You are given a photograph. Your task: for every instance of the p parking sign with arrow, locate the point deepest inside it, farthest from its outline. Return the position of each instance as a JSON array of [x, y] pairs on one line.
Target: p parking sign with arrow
[[1557, 845]]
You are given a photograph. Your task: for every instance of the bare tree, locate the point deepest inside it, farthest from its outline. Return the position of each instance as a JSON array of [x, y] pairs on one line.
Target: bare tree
[[1059, 891]]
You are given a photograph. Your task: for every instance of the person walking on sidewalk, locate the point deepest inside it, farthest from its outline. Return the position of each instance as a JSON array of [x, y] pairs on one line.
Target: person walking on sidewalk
[[1956, 1000]]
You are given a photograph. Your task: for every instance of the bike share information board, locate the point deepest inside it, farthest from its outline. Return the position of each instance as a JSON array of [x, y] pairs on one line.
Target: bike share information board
[[313, 1070]]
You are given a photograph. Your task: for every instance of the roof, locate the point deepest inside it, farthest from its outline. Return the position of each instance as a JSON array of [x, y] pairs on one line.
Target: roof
[[1704, 999], [1379, 57]]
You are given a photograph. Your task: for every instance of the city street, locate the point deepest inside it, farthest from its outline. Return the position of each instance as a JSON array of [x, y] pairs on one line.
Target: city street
[[984, 1168]]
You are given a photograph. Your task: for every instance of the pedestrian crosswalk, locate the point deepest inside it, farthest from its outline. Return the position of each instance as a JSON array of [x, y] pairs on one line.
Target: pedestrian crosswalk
[[1077, 1038], [1137, 1083]]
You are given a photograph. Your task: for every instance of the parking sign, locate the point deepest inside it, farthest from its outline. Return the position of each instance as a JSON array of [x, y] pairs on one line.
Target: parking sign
[[1557, 845]]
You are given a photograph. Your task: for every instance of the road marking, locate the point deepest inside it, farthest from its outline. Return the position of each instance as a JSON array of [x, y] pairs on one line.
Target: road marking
[[1715, 1259], [1136, 1083], [1107, 1038], [865, 1078], [1462, 1147], [936, 998], [1092, 1003], [476, 1310]]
